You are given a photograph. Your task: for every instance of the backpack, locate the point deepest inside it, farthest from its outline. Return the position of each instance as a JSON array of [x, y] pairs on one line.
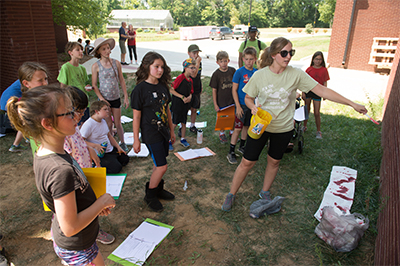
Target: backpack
[[258, 42]]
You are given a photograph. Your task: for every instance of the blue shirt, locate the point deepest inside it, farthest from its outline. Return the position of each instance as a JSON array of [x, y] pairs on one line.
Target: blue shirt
[[241, 77], [122, 31], [13, 90]]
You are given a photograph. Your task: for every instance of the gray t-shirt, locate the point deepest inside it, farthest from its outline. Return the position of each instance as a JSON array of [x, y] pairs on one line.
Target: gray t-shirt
[[108, 78]]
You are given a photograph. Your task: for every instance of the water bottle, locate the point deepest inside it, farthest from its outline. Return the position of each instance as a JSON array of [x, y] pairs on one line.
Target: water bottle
[[199, 136], [198, 112], [102, 151]]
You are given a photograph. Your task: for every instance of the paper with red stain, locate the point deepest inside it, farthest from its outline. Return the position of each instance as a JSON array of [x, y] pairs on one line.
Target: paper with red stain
[[340, 192]]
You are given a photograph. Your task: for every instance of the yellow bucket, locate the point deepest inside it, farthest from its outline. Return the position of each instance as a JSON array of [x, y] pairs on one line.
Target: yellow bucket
[[259, 123]]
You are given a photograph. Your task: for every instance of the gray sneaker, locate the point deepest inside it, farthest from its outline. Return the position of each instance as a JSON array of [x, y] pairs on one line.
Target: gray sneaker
[[265, 195], [18, 148], [3, 261], [227, 206], [318, 135], [124, 147], [231, 158], [223, 139], [241, 150]]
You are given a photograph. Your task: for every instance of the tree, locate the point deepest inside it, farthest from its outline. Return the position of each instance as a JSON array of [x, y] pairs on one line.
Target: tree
[[88, 15], [327, 11]]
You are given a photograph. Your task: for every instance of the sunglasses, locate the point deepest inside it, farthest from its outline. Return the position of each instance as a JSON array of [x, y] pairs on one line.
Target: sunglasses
[[72, 114], [284, 53]]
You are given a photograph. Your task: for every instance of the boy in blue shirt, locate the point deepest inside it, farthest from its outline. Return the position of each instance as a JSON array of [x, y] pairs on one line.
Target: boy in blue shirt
[[242, 112]]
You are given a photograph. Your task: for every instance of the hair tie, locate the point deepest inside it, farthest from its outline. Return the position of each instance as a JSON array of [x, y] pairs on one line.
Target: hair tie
[[19, 99]]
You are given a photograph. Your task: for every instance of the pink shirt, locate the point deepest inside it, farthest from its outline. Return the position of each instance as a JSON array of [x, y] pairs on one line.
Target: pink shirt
[[76, 146]]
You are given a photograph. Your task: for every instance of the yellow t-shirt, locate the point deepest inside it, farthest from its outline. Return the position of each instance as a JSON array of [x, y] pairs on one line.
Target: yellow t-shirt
[[277, 94]]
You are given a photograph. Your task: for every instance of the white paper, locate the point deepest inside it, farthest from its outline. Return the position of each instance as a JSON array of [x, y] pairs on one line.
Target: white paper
[[197, 124], [114, 184], [300, 114], [128, 138], [138, 246], [194, 153], [125, 119], [340, 192], [144, 152]]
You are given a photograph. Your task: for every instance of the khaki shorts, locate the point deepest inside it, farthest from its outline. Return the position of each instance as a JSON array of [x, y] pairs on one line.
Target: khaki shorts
[[122, 46]]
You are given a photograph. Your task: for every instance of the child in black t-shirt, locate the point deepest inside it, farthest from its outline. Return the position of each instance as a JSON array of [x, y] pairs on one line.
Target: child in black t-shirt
[[181, 97], [149, 101], [46, 114]]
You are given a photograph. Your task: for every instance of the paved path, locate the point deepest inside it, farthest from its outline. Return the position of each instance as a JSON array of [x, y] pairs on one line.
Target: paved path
[[355, 85]]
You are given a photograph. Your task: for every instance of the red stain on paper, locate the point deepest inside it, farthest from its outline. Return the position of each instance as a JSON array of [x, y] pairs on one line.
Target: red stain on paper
[[342, 189], [342, 196], [341, 181]]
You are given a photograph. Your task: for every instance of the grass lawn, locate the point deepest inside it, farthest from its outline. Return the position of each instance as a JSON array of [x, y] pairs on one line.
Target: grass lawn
[[203, 233]]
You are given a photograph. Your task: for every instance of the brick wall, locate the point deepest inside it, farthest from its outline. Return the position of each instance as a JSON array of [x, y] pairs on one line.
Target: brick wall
[[27, 34], [387, 246], [372, 18]]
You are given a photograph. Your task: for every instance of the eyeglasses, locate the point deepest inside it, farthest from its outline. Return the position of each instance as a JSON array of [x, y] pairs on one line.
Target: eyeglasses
[[72, 114], [193, 67], [284, 53]]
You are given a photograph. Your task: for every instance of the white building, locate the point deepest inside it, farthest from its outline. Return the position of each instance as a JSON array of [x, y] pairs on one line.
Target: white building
[[145, 19]]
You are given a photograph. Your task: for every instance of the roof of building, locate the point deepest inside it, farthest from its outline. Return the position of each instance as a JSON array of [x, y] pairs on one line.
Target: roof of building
[[145, 14]]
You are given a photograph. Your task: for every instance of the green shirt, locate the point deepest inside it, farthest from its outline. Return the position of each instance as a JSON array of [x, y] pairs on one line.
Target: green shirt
[[277, 94], [252, 44], [73, 76]]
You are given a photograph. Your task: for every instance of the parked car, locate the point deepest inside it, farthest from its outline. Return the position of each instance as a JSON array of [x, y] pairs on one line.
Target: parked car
[[240, 31], [220, 33]]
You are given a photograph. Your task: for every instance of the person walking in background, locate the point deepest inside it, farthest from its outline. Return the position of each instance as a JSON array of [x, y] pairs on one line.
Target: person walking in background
[[45, 113], [132, 43], [151, 114], [275, 85], [30, 75], [253, 42], [109, 74], [317, 71], [122, 38]]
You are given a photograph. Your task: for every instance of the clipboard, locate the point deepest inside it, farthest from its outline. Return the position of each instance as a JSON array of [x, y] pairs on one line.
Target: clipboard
[[225, 118], [127, 246], [194, 154], [97, 179]]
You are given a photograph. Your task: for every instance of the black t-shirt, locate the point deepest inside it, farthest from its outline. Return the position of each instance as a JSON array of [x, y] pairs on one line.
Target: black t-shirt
[[184, 87], [197, 85], [152, 100], [56, 176], [222, 82]]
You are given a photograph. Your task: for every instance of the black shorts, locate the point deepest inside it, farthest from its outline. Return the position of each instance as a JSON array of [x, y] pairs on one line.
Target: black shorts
[[313, 96], [195, 102], [277, 145], [159, 152], [180, 117], [115, 103]]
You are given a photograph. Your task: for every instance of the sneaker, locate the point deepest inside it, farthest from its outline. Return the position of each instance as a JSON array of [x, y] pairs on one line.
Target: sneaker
[[171, 148], [222, 138], [193, 129], [105, 238], [318, 135], [231, 158], [184, 143], [227, 206], [124, 147], [265, 195], [18, 148], [180, 132], [241, 150]]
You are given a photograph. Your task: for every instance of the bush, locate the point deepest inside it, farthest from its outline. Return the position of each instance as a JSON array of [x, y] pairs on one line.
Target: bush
[[289, 29], [325, 30], [316, 30], [300, 30], [309, 28], [139, 30]]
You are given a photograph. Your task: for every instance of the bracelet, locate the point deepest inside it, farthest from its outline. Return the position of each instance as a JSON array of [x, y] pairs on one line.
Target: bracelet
[[183, 97]]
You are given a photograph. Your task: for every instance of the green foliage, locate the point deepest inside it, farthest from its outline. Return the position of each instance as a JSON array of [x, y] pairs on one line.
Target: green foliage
[[309, 28], [139, 30], [327, 11], [88, 15]]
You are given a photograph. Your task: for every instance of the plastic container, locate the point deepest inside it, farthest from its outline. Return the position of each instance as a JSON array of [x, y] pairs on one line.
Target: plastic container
[[259, 123], [199, 136], [102, 151]]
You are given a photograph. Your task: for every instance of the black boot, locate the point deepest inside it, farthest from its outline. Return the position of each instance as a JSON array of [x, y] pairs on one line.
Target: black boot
[[151, 199], [162, 193]]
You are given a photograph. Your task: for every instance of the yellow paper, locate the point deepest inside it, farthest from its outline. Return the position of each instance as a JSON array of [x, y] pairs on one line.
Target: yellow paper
[[97, 179]]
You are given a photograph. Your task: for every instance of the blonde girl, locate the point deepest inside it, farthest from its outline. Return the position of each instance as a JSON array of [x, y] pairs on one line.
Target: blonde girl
[[45, 113]]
